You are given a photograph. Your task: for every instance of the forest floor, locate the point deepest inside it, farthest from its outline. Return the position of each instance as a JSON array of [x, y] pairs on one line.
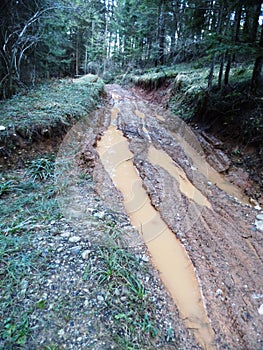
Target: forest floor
[[71, 280]]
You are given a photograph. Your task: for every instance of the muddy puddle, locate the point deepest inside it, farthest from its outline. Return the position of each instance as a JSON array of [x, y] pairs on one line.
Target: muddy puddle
[[168, 254], [210, 173], [162, 159]]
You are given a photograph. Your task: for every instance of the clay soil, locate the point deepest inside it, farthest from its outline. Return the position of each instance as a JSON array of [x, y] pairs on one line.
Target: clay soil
[[222, 241]]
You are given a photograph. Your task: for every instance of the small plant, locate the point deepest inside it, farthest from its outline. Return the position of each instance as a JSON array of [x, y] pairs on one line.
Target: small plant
[[6, 187], [40, 169], [147, 326], [170, 334], [135, 287], [50, 347], [16, 333]]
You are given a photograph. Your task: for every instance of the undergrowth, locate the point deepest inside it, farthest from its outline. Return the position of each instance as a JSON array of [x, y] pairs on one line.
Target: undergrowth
[[232, 107], [25, 205]]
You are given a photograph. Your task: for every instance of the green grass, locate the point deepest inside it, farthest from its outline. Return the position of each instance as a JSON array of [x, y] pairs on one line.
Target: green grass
[[25, 202], [120, 275], [49, 107], [18, 262], [41, 168]]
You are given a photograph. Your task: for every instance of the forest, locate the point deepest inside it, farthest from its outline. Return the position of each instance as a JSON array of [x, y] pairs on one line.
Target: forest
[[42, 39]]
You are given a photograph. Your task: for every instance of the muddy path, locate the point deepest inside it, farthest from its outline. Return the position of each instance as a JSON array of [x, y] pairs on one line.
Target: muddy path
[[150, 165]]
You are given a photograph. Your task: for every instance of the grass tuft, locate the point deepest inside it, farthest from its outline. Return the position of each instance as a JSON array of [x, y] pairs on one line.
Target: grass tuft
[[41, 168]]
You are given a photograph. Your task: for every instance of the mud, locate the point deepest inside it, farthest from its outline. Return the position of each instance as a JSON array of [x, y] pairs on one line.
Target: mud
[[213, 220], [175, 265]]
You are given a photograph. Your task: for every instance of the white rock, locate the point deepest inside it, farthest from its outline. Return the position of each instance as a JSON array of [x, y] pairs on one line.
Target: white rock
[[260, 309], [2, 127], [259, 225], [257, 296], [75, 250], [99, 215], [219, 292], [85, 254], [74, 239], [259, 217], [61, 332], [100, 298], [145, 258], [65, 234]]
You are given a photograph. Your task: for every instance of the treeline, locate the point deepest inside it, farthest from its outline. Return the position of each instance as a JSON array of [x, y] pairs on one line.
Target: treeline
[[44, 38]]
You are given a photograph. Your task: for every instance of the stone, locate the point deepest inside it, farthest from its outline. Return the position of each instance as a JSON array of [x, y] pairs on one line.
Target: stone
[[65, 234], [75, 250], [74, 239], [100, 298], [259, 217], [145, 258], [99, 215], [85, 254], [259, 225], [260, 309], [61, 332]]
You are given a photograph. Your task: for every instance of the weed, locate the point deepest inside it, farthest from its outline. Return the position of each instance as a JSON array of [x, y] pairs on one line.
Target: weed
[[40, 169], [6, 187], [16, 332], [17, 263], [51, 347], [86, 272], [41, 304], [133, 319], [24, 204], [170, 334], [148, 326], [135, 287]]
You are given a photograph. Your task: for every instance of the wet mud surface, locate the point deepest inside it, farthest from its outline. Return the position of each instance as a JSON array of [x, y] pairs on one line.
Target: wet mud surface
[[211, 217]]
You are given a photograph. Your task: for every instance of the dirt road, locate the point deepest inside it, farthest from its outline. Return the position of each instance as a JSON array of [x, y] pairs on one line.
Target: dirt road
[[161, 161]]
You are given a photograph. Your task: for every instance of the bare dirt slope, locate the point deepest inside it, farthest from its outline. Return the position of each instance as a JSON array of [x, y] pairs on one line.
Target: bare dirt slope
[[221, 238]]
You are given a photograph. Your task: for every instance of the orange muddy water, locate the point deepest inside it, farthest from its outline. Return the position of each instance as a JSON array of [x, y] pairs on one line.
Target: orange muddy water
[[168, 254], [210, 173]]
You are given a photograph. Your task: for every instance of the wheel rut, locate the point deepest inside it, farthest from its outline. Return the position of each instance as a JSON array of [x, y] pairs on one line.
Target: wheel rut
[[191, 218]]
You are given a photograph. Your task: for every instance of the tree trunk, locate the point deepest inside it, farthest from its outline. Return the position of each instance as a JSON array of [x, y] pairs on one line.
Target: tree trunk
[[218, 30], [237, 27], [211, 73], [86, 60], [227, 71], [77, 58], [221, 69], [256, 75], [161, 34]]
